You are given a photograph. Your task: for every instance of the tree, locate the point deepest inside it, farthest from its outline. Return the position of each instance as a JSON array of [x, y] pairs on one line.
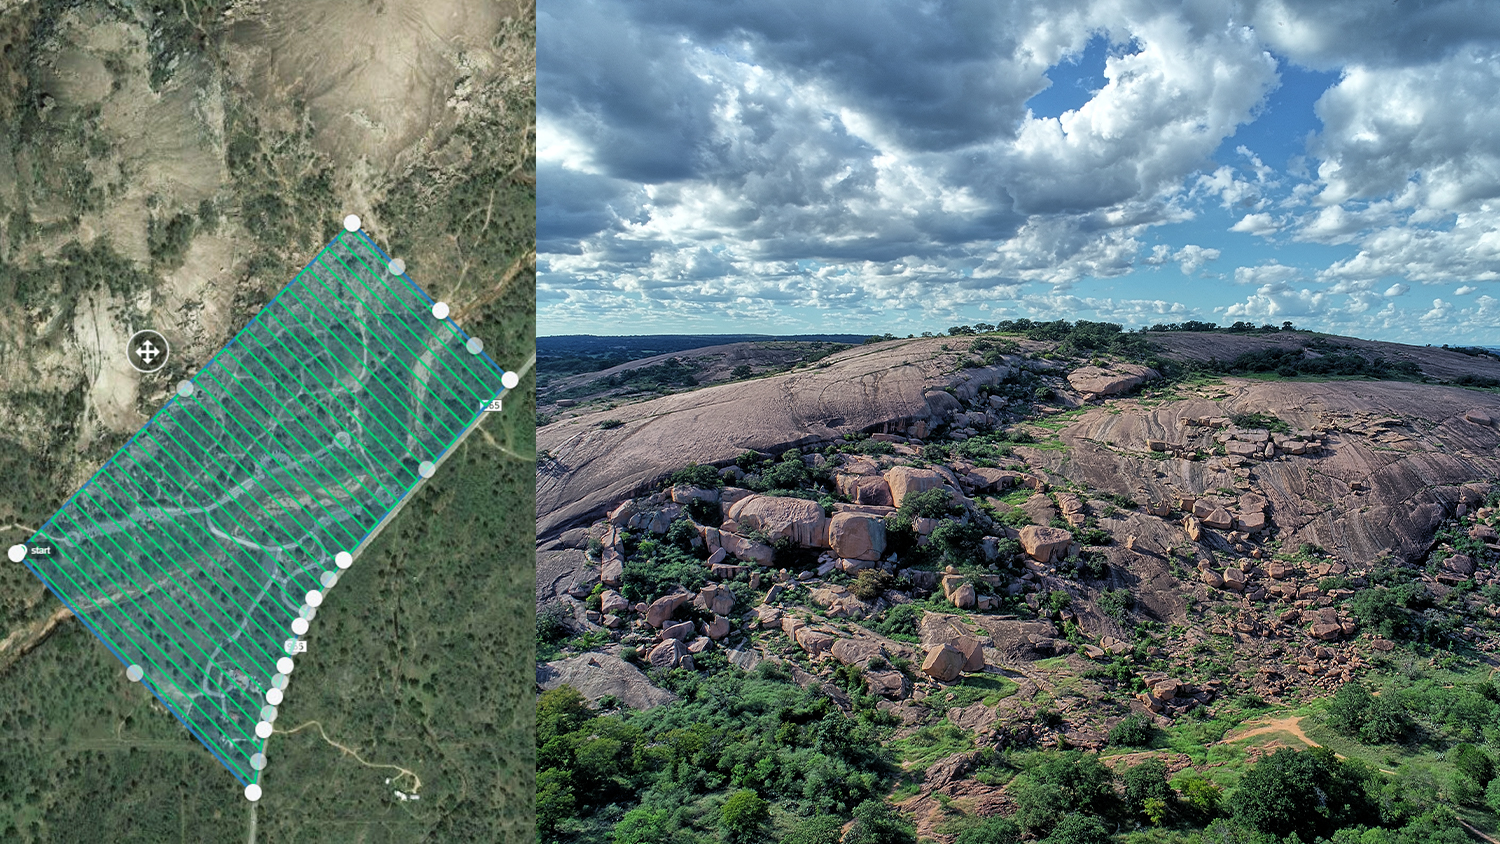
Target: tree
[[1075, 828], [743, 817], [1202, 794], [643, 826], [1145, 782], [1475, 763], [877, 823], [1348, 709], [1310, 792], [820, 830], [1135, 730], [995, 830]]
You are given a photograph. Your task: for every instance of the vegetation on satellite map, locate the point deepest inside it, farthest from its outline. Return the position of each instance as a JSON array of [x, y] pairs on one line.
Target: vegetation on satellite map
[[1030, 581], [172, 165]]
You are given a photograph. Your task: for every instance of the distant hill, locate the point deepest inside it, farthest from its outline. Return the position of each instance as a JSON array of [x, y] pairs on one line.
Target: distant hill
[[631, 347]]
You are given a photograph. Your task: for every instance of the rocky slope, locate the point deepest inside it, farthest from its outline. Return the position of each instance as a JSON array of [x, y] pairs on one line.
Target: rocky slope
[[955, 535]]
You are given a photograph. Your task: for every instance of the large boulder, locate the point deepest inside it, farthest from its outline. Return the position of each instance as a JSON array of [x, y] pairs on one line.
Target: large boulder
[[1094, 381], [1219, 519], [908, 479], [597, 675], [683, 493], [613, 602], [669, 654], [863, 489], [716, 599], [857, 651], [972, 650], [662, 608], [944, 663], [856, 537], [717, 629], [985, 479], [777, 516], [747, 549], [815, 642], [1044, 544], [963, 597], [889, 683]]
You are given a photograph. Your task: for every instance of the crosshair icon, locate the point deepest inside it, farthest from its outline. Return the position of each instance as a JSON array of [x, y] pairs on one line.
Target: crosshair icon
[[147, 351]]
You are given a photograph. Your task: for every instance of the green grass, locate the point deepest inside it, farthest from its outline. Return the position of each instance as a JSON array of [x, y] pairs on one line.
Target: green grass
[[986, 688], [932, 743]]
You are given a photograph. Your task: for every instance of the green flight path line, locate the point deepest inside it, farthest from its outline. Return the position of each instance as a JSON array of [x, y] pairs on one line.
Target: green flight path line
[[196, 547]]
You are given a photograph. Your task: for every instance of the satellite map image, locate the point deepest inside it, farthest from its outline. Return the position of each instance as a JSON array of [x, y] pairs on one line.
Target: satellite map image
[[266, 425]]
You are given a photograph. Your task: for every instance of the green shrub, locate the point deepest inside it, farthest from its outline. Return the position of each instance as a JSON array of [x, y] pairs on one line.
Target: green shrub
[[875, 822], [1134, 730], [1473, 762], [1116, 603], [610, 424], [744, 817], [696, 475], [1311, 792], [899, 622], [1144, 782], [870, 584]]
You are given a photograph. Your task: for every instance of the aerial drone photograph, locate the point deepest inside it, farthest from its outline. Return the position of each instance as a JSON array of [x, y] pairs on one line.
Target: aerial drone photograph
[[982, 423], [267, 362]]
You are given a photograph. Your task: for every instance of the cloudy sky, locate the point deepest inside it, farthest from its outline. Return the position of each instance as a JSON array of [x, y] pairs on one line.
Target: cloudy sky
[[785, 166]]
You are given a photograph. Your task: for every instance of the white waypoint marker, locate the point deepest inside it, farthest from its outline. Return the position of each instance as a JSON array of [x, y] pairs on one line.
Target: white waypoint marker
[[273, 697], [252, 791], [263, 729], [509, 380], [440, 310], [299, 626], [17, 553], [314, 598], [351, 222], [343, 559], [284, 665]]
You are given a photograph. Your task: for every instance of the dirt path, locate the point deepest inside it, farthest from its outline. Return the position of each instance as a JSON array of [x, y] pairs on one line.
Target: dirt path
[[1290, 724], [415, 780]]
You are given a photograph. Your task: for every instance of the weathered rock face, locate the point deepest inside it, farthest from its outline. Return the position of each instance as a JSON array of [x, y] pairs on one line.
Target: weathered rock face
[[717, 629], [963, 597], [1044, 544], [745, 549], [944, 663], [596, 675], [815, 642], [883, 383], [856, 537], [662, 608], [863, 489], [715, 598], [668, 655], [908, 479], [973, 652], [856, 651], [889, 683], [1094, 381], [611, 601], [778, 516]]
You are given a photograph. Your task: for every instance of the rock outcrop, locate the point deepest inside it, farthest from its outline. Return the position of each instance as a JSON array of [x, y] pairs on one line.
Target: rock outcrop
[[1044, 544], [1094, 381], [944, 663], [856, 537]]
